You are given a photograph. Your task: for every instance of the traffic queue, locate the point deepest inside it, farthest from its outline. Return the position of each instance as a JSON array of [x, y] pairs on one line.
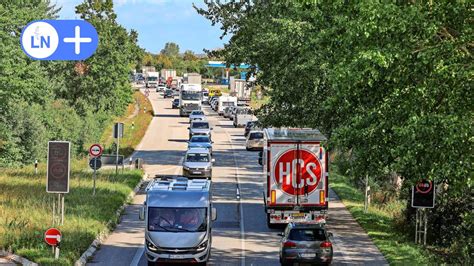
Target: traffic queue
[[179, 212]]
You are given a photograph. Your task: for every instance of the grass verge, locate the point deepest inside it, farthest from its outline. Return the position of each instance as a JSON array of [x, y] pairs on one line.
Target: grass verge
[[380, 224], [135, 121], [26, 210]]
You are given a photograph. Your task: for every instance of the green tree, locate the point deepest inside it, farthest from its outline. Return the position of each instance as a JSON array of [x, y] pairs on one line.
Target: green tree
[[171, 49], [189, 56]]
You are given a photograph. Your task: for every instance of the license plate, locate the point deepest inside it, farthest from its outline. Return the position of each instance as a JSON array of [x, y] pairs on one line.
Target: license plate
[[197, 173], [176, 256], [308, 255], [299, 215]]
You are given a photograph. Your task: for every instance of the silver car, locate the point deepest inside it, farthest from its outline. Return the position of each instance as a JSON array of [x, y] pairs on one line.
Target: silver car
[[199, 128], [196, 115], [305, 243], [255, 140], [198, 163], [228, 111]]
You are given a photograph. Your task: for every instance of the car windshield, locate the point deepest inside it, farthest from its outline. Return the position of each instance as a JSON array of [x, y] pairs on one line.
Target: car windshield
[[310, 234], [177, 219], [249, 124], [244, 111], [190, 95], [197, 157], [256, 135], [197, 113], [200, 139], [205, 93], [200, 125], [176, 100], [168, 91], [152, 78]]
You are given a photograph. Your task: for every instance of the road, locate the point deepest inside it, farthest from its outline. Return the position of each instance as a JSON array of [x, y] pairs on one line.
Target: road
[[240, 234]]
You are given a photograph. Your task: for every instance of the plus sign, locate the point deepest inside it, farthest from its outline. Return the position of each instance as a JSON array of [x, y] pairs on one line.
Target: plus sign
[[77, 40]]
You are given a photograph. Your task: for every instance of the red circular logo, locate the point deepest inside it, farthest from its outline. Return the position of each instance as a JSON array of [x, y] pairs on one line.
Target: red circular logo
[[95, 150], [52, 236], [424, 186], [294, 174]]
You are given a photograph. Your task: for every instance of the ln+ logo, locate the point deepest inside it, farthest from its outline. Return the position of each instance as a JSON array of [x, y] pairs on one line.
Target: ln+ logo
[[40, 40]]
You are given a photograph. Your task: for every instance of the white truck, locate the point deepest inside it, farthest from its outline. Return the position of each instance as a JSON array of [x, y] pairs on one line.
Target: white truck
[[242, 115], [225, 101], [190, 98], [151, 79], [165, 73], [192, 78], [295, 170], [178, 215], [241, 89]]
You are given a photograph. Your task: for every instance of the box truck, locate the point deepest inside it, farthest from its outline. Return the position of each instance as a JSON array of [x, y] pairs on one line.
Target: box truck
[[178, 215], [151, 79], [295, 169], [225, 101], [192, 78]]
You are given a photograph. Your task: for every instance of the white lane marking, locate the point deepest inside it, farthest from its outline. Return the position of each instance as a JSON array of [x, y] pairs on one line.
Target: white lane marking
[[138, 256]]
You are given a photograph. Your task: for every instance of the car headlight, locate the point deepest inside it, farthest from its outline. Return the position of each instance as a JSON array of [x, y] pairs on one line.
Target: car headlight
[[185, 167], [150, 246], [202, 246]]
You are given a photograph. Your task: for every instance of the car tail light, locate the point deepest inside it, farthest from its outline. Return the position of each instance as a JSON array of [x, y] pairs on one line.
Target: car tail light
[[273, 196], [289, 244], [326, 244]]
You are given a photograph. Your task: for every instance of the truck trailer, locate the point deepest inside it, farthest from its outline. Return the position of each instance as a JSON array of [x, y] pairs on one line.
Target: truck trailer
[[295, 169], [178, 216]]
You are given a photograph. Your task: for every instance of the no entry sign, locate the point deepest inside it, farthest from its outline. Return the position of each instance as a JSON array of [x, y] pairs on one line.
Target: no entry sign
[[52, 236], [95, 150], [298, 172]]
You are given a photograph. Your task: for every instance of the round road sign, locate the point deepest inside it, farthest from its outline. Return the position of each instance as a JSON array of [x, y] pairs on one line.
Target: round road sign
[[95, 163], [424, 186], [52, 236], [96, 150], [293, 174]]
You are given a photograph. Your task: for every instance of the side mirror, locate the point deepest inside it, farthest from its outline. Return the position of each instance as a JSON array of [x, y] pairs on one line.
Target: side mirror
[[280, 234], [330, 235], [211, 128], [188, 127], [141, 215], [213, 214], [212, 142]]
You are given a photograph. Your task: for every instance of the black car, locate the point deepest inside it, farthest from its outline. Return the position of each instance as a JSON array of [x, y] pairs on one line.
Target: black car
[[248, 127], [175, 104], [168, 93]]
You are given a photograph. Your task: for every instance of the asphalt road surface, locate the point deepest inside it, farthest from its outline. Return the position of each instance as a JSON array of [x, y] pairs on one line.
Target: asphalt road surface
[[240, 235]]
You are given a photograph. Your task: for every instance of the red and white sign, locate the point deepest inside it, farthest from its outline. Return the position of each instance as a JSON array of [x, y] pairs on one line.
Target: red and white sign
[[96, 150], [52, 236], [424, 186], [298, 172]]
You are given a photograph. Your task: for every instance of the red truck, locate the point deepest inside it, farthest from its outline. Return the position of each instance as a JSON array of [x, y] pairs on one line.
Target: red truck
[[295, 168]]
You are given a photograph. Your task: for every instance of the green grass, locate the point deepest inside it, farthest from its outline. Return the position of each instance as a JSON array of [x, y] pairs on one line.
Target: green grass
[[26, 210], [379, 222], [132, 135]]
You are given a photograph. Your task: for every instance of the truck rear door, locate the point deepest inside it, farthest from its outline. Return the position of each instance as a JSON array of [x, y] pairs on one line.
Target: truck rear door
[[280, 159], [312, 178]]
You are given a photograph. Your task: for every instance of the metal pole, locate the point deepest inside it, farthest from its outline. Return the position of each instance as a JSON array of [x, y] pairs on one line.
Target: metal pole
[[62, 209], [56, 254], [54, 210], [426, 225], [366, 201], [117, 155], [59, 209], [416, 226], [95, 167]]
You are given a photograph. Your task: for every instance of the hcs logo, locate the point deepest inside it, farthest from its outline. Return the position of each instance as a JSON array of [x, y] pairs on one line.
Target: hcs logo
[[59, 40]]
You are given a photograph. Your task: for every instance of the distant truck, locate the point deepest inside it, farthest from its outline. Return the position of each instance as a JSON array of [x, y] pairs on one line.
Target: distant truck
[[225, 101], [295, 170], [240, 88], [192, 78], [166, 73], [146, 69], [242, 115], [151, 79], [178, 215], [190, 98]]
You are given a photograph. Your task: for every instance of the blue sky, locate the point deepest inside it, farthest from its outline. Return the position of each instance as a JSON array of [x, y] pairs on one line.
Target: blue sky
[[159, 22]]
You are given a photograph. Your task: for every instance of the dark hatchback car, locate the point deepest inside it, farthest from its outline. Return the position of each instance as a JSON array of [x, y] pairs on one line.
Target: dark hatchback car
[[305, 243], [248, 127], [168, 93], [175, 104]]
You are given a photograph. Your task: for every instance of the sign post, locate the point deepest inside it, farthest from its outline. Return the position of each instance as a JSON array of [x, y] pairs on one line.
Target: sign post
[[422, 198], [52, 237], [57, 175], [95, 163], [118, 133]]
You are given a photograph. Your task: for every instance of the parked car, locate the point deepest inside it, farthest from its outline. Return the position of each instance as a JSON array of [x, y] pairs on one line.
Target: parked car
[[305, 243], [255, 140], [197, 115], [198, 163], [175, 104], [199, 128], [168, 93], [200, 142]]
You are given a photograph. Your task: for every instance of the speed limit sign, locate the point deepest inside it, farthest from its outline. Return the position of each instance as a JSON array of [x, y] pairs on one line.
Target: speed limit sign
[[95, 150]]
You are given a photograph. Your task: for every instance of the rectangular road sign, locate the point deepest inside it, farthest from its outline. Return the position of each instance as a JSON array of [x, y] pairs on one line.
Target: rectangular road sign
[[118, 130], [58, 171]]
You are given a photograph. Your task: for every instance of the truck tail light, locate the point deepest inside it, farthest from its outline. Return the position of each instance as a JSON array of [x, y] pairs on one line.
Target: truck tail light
[[321, 197], [273, 196], [325, 244], [289, 244]]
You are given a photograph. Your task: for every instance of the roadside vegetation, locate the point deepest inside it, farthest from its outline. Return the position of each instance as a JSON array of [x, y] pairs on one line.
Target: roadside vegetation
[[390, 85], [26, 210]]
